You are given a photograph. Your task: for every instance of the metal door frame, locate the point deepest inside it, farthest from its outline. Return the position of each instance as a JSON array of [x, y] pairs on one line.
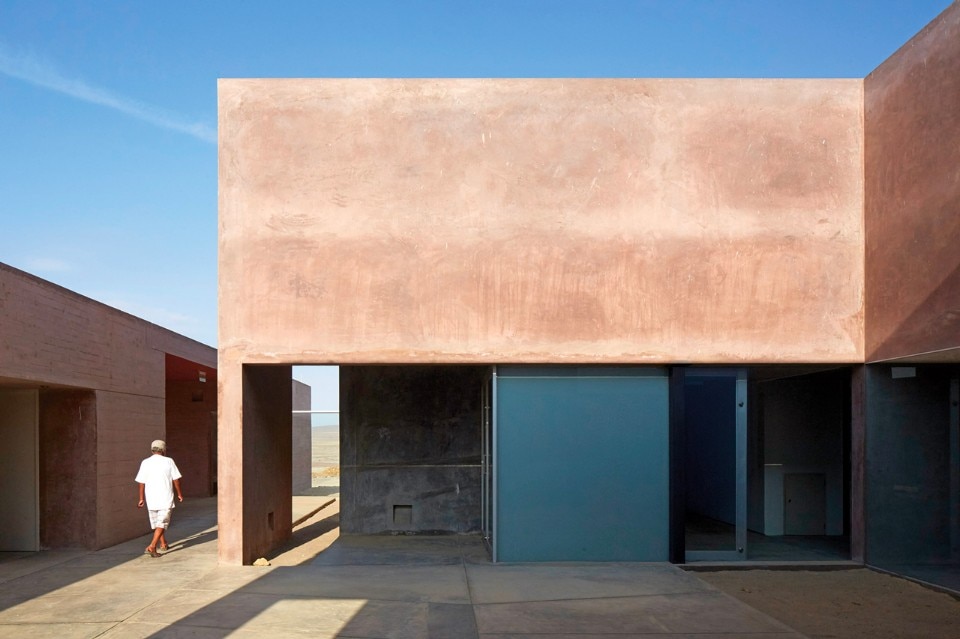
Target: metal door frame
[[488, 467]]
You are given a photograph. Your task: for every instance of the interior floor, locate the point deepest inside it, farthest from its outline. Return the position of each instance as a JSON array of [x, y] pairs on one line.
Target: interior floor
[[703, 533]]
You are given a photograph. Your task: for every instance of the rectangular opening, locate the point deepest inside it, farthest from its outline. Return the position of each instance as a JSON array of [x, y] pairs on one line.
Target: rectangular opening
[[270, 520], [402, 515]]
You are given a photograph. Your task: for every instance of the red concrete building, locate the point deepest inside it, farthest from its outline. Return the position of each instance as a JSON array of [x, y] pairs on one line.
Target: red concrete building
[[84, 389], [730, 304]]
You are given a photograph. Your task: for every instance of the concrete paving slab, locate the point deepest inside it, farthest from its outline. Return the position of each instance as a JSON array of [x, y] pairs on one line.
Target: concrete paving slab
[[502, 583], [391, 550], [273, 614], [417, 583], [657, 614], [92, 607], [58, 630], [181, 604], [227, 578], [143, 630], [16, 565]]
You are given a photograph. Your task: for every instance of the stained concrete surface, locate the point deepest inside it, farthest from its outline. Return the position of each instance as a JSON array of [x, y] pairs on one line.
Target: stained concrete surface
[[357, 586]]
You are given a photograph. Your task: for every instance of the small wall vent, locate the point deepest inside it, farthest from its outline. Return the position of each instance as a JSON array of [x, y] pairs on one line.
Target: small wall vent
[[402, 515]]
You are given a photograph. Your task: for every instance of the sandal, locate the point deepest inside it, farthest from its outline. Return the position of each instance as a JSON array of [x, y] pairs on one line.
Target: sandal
[[152, 553]]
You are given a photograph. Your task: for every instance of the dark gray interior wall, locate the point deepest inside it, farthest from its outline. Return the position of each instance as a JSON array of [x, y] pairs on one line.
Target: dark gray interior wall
[[908, 466], [410, 443]]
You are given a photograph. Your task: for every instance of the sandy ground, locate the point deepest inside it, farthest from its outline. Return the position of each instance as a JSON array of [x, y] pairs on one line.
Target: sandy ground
[[844, 603]]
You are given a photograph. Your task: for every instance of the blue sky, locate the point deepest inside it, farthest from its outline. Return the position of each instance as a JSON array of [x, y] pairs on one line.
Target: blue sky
[[108, 110]]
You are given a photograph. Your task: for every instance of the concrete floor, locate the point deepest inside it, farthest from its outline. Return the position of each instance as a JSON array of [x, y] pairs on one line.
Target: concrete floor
[[357, 586]]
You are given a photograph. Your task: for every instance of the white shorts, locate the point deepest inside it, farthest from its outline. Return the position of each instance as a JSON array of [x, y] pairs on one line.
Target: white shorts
[[160, 518]]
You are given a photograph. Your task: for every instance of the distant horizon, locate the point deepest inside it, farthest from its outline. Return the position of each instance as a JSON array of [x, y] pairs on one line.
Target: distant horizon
[[317, 422]]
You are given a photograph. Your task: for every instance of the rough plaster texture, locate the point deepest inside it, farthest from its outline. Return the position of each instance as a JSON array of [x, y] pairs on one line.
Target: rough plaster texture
[[52, 338], [410, 436], [406, 221], [912, 212]]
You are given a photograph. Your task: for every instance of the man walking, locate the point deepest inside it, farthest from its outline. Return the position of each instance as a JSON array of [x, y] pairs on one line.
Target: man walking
[[158, 478]]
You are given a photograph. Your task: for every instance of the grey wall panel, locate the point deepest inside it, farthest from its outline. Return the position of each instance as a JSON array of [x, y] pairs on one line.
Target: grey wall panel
[[410, 436], [908, 466]]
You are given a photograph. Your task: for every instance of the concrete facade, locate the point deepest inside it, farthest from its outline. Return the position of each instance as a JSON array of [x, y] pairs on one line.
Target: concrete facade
[[102, 385], [446, 221], [686, 223], [912, 198]]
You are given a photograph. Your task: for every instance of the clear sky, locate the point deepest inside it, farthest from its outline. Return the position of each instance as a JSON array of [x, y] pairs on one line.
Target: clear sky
[[108, 110]]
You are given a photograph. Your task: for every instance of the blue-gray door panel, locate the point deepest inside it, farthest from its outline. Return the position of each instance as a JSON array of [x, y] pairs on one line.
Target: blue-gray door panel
[[583, 468]]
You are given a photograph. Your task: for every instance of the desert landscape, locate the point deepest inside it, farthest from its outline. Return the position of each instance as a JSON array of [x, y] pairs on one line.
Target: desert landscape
[[325, 459]]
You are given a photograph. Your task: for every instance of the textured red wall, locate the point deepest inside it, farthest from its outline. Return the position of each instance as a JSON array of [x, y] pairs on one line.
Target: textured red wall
[[191, 417], [912, 202], [68, 479], [403, 221]]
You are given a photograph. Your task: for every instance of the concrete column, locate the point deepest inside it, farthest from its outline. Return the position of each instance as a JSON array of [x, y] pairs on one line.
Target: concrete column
[[255, 461], [230, 461], [267, 467]]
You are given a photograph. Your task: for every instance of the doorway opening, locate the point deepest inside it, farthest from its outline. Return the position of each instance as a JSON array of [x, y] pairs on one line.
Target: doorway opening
[[316, 430], [765, 464]]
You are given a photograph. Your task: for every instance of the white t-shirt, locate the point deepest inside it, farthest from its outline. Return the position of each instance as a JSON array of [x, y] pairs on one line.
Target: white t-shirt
[[157, 474]]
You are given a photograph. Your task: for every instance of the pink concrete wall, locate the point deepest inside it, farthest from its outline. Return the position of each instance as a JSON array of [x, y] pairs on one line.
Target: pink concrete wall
[[395, 221], [912, 141], [191, 417]]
